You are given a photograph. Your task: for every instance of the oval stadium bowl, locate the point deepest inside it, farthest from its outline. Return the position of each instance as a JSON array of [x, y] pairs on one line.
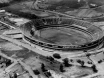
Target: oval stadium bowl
[[63, 34]]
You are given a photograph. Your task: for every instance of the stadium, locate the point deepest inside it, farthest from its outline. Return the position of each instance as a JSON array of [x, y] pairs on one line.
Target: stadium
[[63, 34]]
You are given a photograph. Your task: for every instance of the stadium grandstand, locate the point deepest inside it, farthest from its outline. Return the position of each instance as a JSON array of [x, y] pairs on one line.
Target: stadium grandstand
[[62, 34]]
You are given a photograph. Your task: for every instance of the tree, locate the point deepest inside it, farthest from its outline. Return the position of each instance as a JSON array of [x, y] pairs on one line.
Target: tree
[[56, 55], [48, 74], [36, 72], [15, 75], [94, 68], [80, 62], [43, 68], [66, 62], [62, 68], [50, 58], [100, 61]]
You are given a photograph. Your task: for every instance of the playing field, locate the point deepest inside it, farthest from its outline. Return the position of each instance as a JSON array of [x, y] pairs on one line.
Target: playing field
[[65, 36]]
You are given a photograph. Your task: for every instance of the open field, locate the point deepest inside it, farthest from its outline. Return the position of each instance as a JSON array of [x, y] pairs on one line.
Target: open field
[[65, 36]]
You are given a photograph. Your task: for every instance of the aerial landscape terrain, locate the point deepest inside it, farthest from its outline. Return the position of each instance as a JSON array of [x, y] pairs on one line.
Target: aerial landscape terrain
[[51, 38]]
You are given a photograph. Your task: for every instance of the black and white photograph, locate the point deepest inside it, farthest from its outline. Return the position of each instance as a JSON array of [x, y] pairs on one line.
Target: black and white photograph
[[51, 38]]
